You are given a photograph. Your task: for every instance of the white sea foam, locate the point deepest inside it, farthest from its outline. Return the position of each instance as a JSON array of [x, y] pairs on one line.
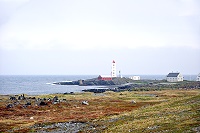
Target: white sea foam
[[50, 84]]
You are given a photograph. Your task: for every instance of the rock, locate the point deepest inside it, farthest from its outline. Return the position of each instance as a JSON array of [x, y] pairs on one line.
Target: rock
[[66, 93], [10, 106], [95, 90], [22, 97], [64, 99], [49, 99], [96, 81], [28, 103], [67, 83], [13, 98], [196, 129], [55, 99], [85, 103], [16, 103], [42, 103], [39, 99], [153, 127], [66, 127], [133, 102]]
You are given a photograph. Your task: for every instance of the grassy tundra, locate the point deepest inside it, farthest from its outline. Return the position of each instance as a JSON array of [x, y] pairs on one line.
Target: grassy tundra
[[174, 111], [135, 111]]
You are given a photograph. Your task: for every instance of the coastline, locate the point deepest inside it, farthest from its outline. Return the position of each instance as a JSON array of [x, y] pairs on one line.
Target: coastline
[[93, 110], [38, 84]]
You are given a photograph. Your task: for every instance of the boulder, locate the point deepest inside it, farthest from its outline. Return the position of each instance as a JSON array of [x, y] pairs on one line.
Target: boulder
[[22, 97], [13, 98], [85, 103], [55, 99], [28, 103], [42, 103], [133, 102], [10, 106]]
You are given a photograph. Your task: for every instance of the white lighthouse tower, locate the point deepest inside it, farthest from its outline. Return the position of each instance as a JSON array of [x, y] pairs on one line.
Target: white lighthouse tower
[[113, 69]]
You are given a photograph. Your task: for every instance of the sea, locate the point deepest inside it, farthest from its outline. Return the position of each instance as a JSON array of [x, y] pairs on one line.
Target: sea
[[43, 84]]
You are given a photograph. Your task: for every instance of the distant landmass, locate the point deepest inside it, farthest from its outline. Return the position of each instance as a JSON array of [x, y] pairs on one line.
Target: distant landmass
[[118, 84], [97, 82]]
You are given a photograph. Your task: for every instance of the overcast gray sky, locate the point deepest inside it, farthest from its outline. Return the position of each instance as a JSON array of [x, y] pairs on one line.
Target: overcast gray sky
[[83, 36]]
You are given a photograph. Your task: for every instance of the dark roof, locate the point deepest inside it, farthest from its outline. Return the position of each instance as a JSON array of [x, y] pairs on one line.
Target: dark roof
[[173, 74]]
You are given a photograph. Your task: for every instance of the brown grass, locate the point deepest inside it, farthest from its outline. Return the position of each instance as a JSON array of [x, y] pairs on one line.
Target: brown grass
[[71, 110]]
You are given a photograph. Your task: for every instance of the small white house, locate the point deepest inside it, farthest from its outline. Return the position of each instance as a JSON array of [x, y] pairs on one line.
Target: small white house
[[135, 77], [174, 77], [198, 77]]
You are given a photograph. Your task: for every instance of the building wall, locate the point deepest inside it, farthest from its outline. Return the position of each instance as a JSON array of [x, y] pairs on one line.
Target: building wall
[[198, 78], [180, 77], [135, 77], [175, 79], [104, 78], [172, 79]]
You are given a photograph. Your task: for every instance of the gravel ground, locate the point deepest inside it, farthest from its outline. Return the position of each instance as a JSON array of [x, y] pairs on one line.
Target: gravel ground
[[66, 127]]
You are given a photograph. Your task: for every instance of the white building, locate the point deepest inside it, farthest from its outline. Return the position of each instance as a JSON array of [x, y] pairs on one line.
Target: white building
[[198, 77], [113, 69], [174, 77], [135, 77], [120, 75]]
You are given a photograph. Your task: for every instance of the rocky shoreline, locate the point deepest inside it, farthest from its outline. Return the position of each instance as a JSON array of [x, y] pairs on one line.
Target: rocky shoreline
[[97, 82], [118, 84]]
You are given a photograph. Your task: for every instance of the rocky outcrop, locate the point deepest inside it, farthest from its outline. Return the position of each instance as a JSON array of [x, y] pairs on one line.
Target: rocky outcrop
[[97, 82], [67, 83]]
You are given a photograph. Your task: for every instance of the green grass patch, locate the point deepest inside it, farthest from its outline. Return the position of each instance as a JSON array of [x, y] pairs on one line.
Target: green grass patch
[[177, 114]]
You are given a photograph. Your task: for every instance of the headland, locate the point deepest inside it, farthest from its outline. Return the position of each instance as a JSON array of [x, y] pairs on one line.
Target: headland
[[118, 84]]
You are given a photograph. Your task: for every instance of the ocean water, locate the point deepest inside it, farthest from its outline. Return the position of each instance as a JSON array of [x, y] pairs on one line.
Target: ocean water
[[36, 85]]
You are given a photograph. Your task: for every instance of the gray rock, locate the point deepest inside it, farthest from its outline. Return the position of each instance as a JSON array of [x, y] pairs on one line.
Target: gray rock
[[10, 106], [28, 103], [133, 102], [42, 103], [13, 98], [67, 127], [55, 99], [196, 129], [85, 103], [22, 97]]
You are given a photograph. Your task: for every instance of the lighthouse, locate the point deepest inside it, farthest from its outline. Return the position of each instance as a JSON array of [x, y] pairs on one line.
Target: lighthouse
[[113, 69]]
